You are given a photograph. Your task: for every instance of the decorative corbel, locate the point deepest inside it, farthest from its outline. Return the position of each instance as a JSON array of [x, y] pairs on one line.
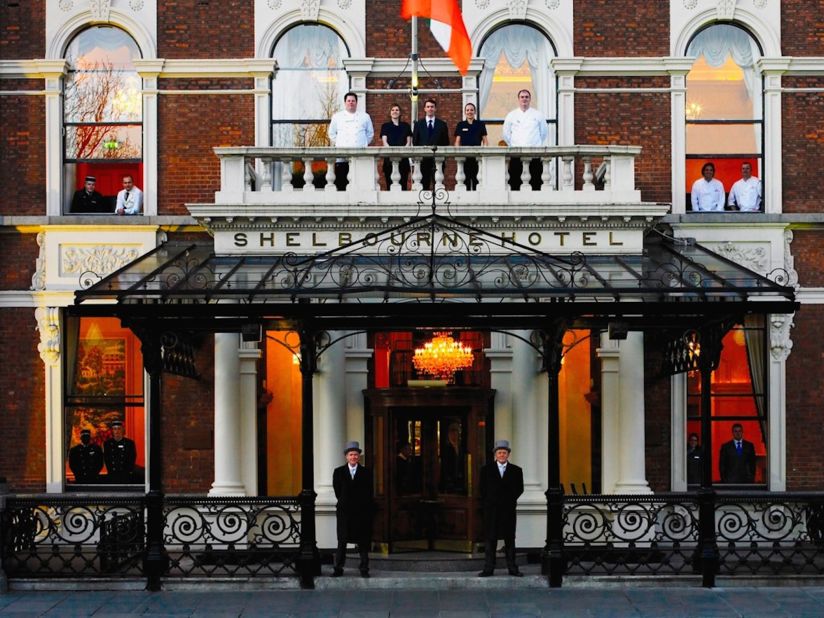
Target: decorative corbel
[[48, 323], [726, 10], [780, 342], [100, 9], [309, 10], [38, 279], [517, 8]]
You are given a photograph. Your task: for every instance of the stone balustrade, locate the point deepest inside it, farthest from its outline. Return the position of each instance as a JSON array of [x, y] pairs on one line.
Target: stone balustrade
[[571, 175]]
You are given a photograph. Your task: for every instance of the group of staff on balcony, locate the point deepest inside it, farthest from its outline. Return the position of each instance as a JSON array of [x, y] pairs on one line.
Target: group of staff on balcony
[[524, 126], [708, 193]]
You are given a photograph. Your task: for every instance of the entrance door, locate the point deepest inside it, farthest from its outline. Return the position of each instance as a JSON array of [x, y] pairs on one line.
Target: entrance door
[[430, 447], [432, 505]]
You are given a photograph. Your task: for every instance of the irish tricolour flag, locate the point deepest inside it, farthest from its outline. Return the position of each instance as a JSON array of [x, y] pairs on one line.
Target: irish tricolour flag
[[446, 23]]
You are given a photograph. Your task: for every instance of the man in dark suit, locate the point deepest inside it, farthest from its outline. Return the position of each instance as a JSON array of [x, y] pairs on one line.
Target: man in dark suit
[[501, 484], [354, 490], [694, 459], [86, 459], [429, 131], [120, 455], [736, 462]]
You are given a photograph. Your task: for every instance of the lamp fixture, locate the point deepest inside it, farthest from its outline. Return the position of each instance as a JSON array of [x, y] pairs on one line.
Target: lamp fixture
[[442, 357]]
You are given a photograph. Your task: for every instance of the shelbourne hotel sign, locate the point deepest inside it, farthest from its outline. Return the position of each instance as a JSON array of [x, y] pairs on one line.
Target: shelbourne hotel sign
[[259, 241]]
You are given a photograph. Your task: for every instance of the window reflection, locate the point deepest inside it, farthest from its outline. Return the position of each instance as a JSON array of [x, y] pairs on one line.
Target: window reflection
[[308, 85], [102, 112], [517, 57]]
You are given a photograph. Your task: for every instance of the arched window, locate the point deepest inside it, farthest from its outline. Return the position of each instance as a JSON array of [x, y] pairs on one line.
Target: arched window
[[308, 85], [724, 112], [102, 116], [516, 58]]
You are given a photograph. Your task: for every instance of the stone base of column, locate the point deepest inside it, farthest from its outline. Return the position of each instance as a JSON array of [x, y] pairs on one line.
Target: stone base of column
[[228, 489], [632, 487]]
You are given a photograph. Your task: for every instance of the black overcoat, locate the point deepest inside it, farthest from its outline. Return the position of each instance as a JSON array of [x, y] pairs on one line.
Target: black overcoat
[[499, 497], [355, 507]]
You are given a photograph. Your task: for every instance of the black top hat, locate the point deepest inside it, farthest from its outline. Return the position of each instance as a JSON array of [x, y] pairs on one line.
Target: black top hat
[[91, 179], [116, 424], [352, 446]]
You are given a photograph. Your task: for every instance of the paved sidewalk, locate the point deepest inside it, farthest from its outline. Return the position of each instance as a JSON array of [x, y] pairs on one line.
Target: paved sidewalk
[[590, 601]]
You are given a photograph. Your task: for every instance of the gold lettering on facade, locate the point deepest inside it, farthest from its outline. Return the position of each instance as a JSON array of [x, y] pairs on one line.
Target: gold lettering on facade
[[613, 242], [423, 238], [508, 237], [240, 239], [534, 239], [587, 239], [452, 240], [316, 242], [293, 239], [561, 237], [267, 239], [344, 238]]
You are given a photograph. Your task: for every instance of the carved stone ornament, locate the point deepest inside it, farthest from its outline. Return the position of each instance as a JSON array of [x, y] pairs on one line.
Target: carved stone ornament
[[726, 9], [65, 5], [780, 343], [345, 4], [275, 4], [759, 4], [789, 260], [754, 258], [137, 5], [517, 8], [690, 4], [309, 10], [38, 279], [48, 323], [100, 9], [101, 259], [553, 4], [482, 4]]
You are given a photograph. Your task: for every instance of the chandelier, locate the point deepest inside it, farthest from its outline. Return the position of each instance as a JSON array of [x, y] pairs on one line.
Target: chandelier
[[442, 357]]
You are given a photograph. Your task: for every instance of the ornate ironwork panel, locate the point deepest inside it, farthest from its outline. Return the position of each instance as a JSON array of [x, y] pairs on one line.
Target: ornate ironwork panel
[[630, 535], [778, 534], [231, 537], [54, 537]]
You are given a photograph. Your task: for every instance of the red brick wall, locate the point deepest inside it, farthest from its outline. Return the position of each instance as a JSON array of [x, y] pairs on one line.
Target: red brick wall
[[18, 253], [805, 423], [389, 36], [636, 119], [808, 254], [802, 144], [621, 28], [205, 29], [657, 417], [190, 127], [22, 407], [188, 426], [802, 28], [22, 149], [22, 29]]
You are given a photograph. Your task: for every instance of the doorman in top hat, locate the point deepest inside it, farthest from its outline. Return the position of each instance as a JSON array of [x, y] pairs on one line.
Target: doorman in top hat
[[353, 487], [502, 482]]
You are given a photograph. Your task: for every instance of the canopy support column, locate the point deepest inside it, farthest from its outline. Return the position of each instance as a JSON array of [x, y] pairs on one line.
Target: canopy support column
[[552, 560], [308, 556]]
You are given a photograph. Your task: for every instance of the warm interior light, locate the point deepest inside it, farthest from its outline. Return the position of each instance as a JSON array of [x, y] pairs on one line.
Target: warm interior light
[[442, 357]]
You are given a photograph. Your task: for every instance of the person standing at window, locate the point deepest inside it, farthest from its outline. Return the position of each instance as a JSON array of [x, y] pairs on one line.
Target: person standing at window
[[525, 127], [429, 131], [736, 461], [120, 455], [349, 128], [87, 199], [129, 199], [470, 132], [694, 457], [745, 194], [86, 459], [396, 132], [707, 193]]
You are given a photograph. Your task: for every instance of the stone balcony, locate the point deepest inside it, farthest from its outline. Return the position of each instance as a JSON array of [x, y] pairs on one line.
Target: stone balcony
[[267, 181]]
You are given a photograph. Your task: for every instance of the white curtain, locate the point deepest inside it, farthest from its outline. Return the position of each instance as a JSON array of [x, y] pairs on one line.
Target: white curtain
[[718, 42], [519, 44], [310, 79], [756, 355]]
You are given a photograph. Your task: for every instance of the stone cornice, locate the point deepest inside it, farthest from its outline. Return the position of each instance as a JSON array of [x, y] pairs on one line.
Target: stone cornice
[[32, 69], [623, 66]]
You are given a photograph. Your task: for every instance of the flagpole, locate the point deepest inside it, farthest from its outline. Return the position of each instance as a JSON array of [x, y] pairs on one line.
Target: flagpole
[[414, 92]]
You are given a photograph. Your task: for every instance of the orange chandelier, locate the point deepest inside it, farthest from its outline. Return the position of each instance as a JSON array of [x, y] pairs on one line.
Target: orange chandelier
[[442, 357]]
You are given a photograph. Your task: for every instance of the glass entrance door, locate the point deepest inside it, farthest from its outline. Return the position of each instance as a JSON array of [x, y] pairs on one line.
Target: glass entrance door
[[432, 503]]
